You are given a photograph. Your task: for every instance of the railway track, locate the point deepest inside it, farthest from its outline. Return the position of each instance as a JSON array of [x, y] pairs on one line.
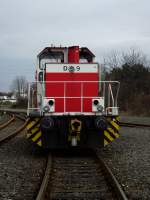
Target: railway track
[[78, 175], [6, 123], [127, 124], [9, 129]]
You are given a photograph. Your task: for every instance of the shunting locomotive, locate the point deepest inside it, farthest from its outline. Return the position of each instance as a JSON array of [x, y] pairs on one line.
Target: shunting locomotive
[[68, 104]]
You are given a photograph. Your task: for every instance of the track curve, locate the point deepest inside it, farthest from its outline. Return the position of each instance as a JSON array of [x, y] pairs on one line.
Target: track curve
[[5, 124], [11, 129]]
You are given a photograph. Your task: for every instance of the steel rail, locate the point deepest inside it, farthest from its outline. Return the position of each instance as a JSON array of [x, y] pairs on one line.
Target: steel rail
[[109, 177], [112, 179], [23, 118], [127, 124], [43, 187], [14, 133], [13, 110], [8, 122], [16, 113]]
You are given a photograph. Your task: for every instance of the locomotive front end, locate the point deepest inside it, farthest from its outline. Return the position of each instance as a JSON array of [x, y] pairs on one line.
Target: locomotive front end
[[68, 104]]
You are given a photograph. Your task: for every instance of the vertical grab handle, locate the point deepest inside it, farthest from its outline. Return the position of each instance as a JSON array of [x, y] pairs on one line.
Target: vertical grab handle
[[81, 96], [64, 97]]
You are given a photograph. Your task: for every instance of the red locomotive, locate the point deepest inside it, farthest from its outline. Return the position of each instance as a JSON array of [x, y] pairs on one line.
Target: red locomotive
[[69, 104]]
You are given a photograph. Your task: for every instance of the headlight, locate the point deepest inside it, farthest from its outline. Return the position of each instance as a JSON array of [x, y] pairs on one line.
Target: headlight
[[95, 102], [98, 105], [47, 123], [100, 108], [51, 102], [101, 123], [46, 108]]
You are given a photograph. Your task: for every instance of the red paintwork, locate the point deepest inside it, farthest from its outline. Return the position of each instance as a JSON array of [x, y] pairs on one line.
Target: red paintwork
[[73, 54], [72, 90]]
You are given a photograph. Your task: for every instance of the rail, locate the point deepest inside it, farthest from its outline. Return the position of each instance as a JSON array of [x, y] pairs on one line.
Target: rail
[[5, 135], [8, 122], [132, 125], [81, 164]]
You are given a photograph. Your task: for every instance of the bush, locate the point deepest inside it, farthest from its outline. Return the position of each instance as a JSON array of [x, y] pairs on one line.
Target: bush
[[21, 103]]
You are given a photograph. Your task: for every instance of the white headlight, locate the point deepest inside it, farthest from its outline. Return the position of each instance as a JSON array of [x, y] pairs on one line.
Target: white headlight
[[46, 108], [48, 105], [100, 108], [98, 104]]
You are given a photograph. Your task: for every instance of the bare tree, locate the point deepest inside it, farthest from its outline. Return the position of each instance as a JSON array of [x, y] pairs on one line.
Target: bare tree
[[19, 86], [131, 57], [112, 60]]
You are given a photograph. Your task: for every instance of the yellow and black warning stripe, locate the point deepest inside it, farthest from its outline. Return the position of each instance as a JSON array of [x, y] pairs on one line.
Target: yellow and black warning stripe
[[112, 132], [32, 123], [33, 131]]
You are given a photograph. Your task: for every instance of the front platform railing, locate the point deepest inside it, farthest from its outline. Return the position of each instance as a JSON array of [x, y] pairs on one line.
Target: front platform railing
[[106, 92]]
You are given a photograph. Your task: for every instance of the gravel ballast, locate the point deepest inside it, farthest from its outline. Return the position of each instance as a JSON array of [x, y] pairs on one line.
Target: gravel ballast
[[22, 164], [129, 159], [22, 168]]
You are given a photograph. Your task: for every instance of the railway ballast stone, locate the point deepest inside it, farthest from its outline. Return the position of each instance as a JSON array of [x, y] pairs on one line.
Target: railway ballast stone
[[129, 159]]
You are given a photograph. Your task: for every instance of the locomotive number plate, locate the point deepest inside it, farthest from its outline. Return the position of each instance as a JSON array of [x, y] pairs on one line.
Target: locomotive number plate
[[77, 68]]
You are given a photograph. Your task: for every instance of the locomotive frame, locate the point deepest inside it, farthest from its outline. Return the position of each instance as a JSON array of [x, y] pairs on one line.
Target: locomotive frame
[[68, 106]]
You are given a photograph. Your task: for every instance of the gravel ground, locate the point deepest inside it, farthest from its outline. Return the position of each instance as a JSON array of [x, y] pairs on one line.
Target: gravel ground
[[22, 168], [129, 159], [22, 165]]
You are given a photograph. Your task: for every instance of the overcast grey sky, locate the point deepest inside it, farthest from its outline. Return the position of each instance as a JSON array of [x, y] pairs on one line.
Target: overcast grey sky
[[26, 27]]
